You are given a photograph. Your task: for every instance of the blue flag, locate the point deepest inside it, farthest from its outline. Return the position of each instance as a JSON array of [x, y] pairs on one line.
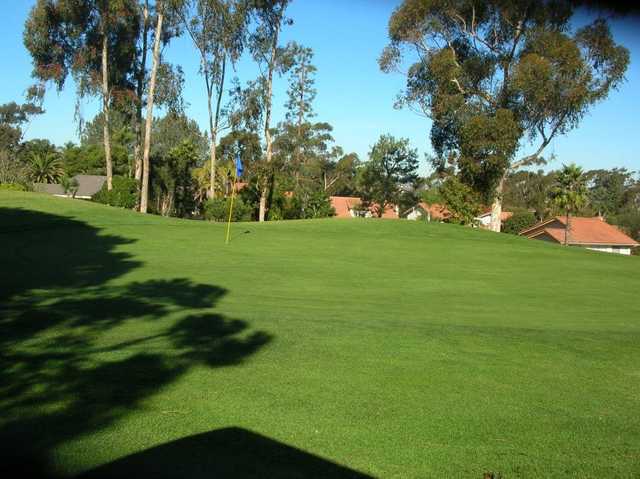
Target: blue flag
[[239, 168]]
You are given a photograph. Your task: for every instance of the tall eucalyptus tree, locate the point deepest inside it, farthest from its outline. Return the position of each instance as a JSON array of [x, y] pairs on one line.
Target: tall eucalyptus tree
[[218, 31], [144, 190], [499, 78], [91, 40], [301, 94], [272, 59]]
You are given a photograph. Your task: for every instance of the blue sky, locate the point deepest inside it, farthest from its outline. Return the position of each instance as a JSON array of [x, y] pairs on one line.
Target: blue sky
[[353, 95]]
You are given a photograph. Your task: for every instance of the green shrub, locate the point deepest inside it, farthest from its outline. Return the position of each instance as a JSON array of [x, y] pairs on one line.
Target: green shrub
[[312, 205], [318, 206], [460, 200], [124, 193], [217, 209], [519, 221], [629, 222], [13, 171], [13, 187]]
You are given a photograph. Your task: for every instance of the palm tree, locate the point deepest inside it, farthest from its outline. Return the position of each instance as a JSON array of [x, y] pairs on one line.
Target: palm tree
[[45, 167], [570, 193]]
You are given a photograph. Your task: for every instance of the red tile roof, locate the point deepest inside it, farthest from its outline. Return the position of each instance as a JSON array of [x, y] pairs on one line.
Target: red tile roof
[[344, 204], [582, 231]]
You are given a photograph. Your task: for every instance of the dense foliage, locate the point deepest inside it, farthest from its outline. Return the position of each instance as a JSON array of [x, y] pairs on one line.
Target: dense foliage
[[217, 209], [13, 117], [388, 177], [123, 194], [497, 76], [461, 201], [518, 222]]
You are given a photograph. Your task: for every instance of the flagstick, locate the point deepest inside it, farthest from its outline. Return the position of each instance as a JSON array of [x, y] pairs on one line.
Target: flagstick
[[233, 194]]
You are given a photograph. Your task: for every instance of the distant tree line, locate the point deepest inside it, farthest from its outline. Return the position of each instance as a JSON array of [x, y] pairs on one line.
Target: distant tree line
[[536, 195], [165, 164], [495, 79], [613, 194]]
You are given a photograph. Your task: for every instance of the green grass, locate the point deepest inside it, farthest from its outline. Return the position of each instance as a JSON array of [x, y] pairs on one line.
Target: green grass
[[390, 348]]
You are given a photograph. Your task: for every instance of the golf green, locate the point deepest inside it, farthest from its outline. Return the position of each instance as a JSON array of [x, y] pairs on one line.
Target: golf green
[[142, 346]]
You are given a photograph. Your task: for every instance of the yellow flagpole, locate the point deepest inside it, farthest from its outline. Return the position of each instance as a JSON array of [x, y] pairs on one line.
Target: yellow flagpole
[[233, 194]]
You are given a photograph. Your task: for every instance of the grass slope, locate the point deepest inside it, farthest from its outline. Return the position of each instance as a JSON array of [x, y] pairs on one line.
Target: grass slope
[[311, 348]]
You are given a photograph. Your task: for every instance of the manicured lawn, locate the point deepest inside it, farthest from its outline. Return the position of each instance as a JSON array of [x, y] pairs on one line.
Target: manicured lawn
[[385, 348]]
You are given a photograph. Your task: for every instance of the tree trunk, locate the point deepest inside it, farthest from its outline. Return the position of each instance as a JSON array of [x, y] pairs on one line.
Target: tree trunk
[[566, 228], [137, 152], [212, 170], [267, 121], [213, 127], [105, 106], [144, 197], [299, 125], [263, 203], [496, 207]]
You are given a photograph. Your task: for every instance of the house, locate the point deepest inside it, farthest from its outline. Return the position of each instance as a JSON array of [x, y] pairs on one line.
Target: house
[[349, 207], [591, 233], [344, 206], [88, 185], [484, 220], [434, 212]]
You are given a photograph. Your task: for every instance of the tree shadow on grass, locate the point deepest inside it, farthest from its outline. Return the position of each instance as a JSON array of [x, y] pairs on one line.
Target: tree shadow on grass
[[78, 353], [224, 453]]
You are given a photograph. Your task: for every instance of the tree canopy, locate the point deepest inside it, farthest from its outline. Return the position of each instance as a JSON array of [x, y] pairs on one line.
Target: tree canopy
[[498, 78], [390, 173]]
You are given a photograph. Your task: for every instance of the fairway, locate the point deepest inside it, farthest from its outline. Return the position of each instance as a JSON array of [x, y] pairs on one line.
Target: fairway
[[312, 348]]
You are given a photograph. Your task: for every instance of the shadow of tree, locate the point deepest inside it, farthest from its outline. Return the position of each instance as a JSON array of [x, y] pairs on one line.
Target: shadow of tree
[[224, 453], [41, 250], [61, 373]]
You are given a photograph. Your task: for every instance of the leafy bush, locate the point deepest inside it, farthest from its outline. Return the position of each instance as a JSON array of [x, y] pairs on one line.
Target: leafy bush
[[13, 187], [282, 207], [461, 201], [304, 205], [519, 221], [629, 222], [319, 206], [13, 171], [124, 193], [217, 209]]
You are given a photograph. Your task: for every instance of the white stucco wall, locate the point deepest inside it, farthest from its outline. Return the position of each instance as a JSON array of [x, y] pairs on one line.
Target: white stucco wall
[[484, 220], [611, 249]]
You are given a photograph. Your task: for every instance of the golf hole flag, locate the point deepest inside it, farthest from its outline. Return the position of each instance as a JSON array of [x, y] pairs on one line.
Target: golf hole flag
[[239, 168]]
